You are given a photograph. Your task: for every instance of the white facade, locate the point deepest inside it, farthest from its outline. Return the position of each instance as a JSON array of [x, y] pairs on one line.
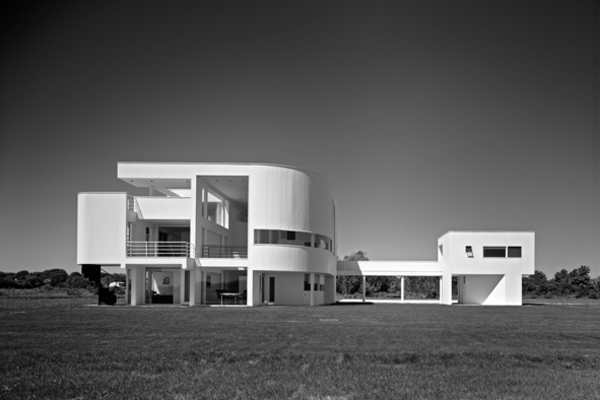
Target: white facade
[[488, 266], [212, 233]]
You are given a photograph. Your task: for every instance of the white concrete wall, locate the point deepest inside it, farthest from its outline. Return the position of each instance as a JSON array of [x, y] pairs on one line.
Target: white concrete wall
[[484, 289], [460, 263], [289, 289], [178, 208], [101, 228]]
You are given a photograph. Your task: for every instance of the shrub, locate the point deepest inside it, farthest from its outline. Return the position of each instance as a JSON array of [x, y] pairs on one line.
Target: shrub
[[9, 284]]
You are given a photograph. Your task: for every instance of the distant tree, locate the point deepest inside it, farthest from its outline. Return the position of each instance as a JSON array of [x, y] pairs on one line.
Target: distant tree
[[21, 274], [9, 284], [594, 288], [422, 286], [536, 284], [358, 256], [350, 284], [54, 276], [78, 281]]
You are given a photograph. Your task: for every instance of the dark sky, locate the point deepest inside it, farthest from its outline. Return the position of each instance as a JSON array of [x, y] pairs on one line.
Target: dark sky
[[427, 116]]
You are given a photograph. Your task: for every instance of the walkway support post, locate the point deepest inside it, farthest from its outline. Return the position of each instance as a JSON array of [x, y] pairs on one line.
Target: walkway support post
[[364, 288], [402, 289]]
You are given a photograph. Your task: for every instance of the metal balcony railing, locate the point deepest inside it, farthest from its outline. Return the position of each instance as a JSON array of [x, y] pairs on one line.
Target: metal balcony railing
[[209, 251], [160, 249]]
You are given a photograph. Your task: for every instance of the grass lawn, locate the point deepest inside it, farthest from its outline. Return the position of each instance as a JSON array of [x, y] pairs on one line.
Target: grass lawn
[[334, 352]]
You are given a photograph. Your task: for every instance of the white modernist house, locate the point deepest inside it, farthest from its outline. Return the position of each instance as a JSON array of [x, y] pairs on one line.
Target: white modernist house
[[252, 234]]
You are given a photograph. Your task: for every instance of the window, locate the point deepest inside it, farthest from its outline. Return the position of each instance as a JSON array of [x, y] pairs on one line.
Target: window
[[306, 281], [501, 252], [261, 236], [494, 252], [469, 251], [292, 238], [316, 284], [514, 252]]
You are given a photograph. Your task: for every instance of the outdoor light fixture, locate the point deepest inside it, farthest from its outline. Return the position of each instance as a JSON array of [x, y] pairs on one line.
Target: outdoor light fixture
[[469, 251]]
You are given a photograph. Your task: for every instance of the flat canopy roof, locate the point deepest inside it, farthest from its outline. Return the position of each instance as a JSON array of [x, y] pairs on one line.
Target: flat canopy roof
[[389, 268]]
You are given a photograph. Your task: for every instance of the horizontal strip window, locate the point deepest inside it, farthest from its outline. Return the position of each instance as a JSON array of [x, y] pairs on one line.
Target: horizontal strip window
[[501, 252], [292, 238]]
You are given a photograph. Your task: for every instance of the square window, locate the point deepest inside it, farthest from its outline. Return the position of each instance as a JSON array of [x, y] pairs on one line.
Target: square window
[[514, 252]]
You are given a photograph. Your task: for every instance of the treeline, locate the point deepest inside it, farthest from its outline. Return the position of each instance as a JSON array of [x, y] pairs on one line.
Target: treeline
[[52, 278], [423, 287], [576, 283]]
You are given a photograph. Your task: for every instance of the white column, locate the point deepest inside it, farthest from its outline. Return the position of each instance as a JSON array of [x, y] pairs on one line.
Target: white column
[[402, 289], [192, 286], [177, 286], [329, 295], [138, 292], [312, 288], [250, 288], [182, 286], [364, 288]]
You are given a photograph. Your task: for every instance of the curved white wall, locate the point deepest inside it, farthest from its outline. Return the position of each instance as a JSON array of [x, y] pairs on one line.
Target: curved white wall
[[265, 257], [290, 200]]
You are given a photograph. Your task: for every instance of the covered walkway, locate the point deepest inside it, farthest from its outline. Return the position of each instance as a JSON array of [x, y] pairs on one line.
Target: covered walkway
[[396, 268]]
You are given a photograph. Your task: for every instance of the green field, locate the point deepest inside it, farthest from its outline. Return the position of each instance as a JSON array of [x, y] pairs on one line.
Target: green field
[[332, 352]]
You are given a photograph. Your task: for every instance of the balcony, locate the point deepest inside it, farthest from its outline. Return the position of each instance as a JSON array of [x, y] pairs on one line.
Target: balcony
[[209, 251], [160, 249]]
